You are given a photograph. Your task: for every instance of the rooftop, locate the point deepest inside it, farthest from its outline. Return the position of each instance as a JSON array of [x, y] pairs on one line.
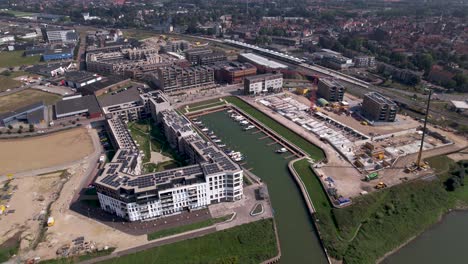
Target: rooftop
[[263, 61], [130, 95], [77, 104]]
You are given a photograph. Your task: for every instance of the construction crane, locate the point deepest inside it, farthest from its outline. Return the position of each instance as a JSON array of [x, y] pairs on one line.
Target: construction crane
[[418, 161]]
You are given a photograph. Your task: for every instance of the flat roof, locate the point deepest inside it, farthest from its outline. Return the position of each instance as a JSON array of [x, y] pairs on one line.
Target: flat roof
[[130, 95], [460, 104], [87, 103], [263, 61], [22, 110]]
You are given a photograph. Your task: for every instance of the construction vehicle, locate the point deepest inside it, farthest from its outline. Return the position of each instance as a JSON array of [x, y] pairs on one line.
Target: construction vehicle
[[2, 209], [10, 176], [372, 176], [50, 221], [364, 123], [380, 185]]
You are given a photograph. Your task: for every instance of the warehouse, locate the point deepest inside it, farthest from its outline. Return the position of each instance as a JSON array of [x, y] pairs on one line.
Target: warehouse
[[78, 105]]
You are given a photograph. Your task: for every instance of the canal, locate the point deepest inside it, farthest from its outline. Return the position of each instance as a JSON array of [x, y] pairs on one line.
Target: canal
[[446, 242], [297, 234]]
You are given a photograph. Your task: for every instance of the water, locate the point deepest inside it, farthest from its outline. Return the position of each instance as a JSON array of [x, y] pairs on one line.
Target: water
[[298, 238], [446, 242]]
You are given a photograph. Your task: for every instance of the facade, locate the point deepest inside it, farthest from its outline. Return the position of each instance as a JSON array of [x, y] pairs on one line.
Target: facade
[[58, 54], [364, 61], [124, 191], [337, 62], [330, 90], [263, 83], [59, 35], [234, 72], [175, 46], [175, 78], [379, 108]]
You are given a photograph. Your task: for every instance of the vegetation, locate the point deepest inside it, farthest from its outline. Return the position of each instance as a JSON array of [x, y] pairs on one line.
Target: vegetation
[[9, 248], [80, 258], [189, 227], [315, 152], [26, 97], [246, 244], [140, 135], [16, 58], [8, 83], [379, 222]]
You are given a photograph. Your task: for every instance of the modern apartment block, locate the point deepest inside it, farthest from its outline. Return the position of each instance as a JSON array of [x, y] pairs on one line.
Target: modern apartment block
[[124, 191], [379, 108], [330, 90], [263, 83], [58, 35], [364, 62], [204, 56], [174, 78]]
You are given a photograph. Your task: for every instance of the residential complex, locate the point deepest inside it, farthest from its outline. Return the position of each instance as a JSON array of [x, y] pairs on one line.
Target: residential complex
[[330, 90], [124, 191], [175, 78], [263, 83], [379, 108]]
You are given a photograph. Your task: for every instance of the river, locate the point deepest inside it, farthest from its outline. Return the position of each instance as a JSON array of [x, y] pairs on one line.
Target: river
[[445, 242], [298, 237]]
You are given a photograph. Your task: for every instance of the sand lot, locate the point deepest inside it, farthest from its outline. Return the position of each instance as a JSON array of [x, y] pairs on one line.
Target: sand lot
[[26, 154], [29, 199]]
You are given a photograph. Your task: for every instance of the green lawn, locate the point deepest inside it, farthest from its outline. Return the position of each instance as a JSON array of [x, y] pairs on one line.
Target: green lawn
[[79, 258], [19, 13], [315, 152], [16, 58], [246, 244], [26, 97], [185, 228], [8, 83], [141, 138], [7, 251], [381, 221]]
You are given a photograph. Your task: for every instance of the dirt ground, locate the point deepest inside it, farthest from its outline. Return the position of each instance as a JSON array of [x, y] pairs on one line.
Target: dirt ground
[[27, 154], [29, 199]]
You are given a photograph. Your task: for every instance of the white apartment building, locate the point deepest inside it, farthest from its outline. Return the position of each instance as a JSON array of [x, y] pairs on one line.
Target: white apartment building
[[270, 82], [124, 191]]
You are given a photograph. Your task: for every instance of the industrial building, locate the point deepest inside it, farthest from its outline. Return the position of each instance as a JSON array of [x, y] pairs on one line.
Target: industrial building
[[261, 63], [30, 114], [263, 83], [79, 79], [330, 90], [128, 105], [233, 72], [58, 54], [78, 105], [379, 108], [174, 78], [124, 191]]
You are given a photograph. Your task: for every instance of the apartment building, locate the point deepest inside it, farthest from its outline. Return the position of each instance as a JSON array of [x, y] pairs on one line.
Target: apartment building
[[175, 78], [204, 56], [263, 83], [330, 90], [57, 35], [124, 191], [364, 62], [233, 72], [379, 108]]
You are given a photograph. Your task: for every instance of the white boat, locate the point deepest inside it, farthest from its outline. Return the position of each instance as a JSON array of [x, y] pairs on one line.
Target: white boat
[[241, 158], [243, 122], [197, 122], [281, 150], [213, 137], [234, 154], [221, 145], [204, 129], [217, 140], [230, 111], [249, 127]]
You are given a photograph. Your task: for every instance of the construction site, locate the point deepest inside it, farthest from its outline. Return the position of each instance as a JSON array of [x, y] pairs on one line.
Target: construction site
[[362, 155]]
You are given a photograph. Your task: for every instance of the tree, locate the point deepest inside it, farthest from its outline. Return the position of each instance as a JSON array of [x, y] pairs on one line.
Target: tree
[[10, 127], [31, 128], [424, 62]]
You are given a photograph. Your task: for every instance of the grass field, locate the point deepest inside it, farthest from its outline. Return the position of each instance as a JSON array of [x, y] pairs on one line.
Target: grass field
[[79, 258], [185, 228], [246, 244], [315, 152], [9, 248], [379, 222], [138, 130], [8, 83], [16, 58], [25, 97], [19, 13]]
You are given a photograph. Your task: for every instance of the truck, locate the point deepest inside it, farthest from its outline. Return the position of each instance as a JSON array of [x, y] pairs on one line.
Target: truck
[[372, 176]]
